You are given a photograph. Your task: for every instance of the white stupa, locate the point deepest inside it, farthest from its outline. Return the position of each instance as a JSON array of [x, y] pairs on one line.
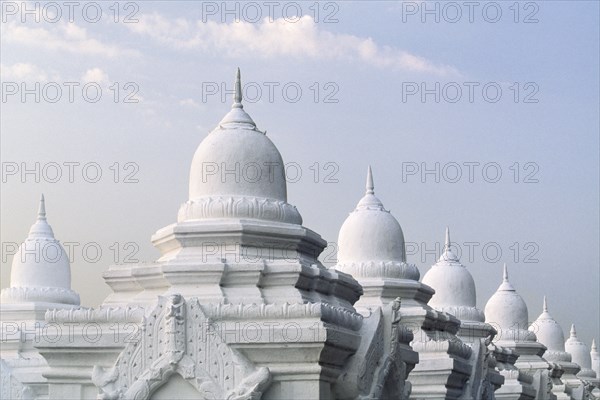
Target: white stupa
[[372, 250], [580, 355], [41, 271], [237, 305], [550, 334], [565, 384], [506, 310], [454, 286], [371, 247], [40, 280], [455, 294], [508, 313]]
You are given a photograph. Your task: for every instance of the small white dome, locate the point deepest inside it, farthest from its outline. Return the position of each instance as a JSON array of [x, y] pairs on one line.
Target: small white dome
[[236, 159], [370, 233], [580, 353], [454, 286], [41, 270], [507, 310], [548, 331]]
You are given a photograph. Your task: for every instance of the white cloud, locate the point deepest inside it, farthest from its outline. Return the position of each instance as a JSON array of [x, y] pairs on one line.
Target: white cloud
[[67, 37], [24, 72], [189, 103], [280, 38], [95, 75]]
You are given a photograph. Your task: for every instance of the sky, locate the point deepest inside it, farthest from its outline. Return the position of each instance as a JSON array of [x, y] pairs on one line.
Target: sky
[[483, 117]]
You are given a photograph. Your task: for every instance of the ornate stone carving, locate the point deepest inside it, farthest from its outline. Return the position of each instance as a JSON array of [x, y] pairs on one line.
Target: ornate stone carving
[[378, 369], [102, 314], [381, 269], [176, 338], [239, 207], [329, 313], [464, 313], [39, 294]]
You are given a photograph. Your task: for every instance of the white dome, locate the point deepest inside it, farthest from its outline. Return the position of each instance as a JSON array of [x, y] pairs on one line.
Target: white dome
[[370, 233], [237, 159], [237, 172], [580, 353], [41, 270], [548, 331], [454, 286], [507, 311]]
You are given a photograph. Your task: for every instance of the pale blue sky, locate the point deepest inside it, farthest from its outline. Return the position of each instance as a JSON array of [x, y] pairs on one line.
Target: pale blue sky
[[370, 54]]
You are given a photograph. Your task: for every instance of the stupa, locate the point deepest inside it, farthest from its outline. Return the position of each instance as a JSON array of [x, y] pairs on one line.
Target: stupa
[[371, 248], [40, 279], [508, 313], [565, 385], [455, 294]]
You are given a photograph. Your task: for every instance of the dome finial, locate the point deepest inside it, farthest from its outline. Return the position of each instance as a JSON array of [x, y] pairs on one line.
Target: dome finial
[[237, 97], [237, 118], [594, 348], [505, 274], [573, 331], [42, 209], [447, 244], [370, 185], [545, 304]]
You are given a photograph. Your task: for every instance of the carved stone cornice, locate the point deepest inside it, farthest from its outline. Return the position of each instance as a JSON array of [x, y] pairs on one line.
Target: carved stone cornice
[[102, 315], [239, 207], [39, 294], [465, 313], [380, 269], [326, 312]]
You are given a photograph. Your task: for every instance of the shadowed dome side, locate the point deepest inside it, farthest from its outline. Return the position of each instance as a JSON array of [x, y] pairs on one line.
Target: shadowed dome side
[[454, 286], [237, 172]]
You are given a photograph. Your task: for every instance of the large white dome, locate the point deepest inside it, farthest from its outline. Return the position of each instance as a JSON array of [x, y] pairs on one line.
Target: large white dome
[[237, 172], [236, 159]]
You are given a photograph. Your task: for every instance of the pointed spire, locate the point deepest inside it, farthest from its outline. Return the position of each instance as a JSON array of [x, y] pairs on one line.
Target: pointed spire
[[545, 305], [237, 118], [42, 209], [573, 331], [594, 348], [506, 285], [447, 254], [41, 228], [369, 201], [237, 97], [370, 185]]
